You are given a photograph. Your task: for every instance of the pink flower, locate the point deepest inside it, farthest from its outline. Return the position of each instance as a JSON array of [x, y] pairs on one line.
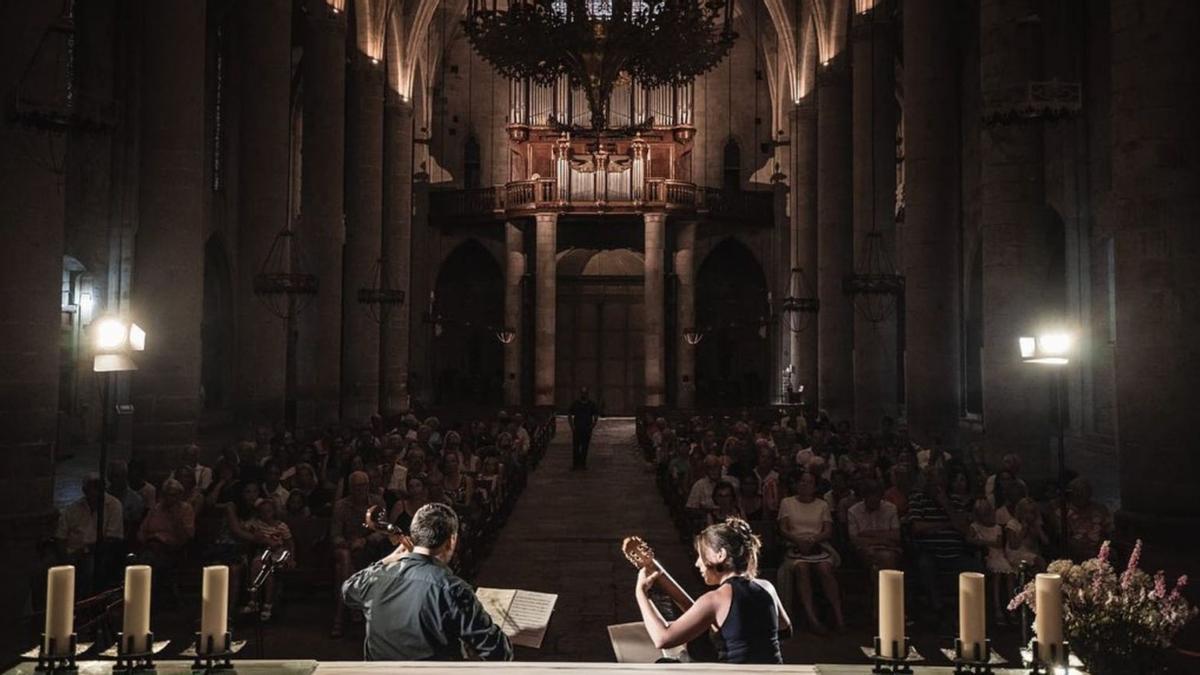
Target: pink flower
[[1018, 600], [1160, 584], [1134, 558], [1180, 583], [1104, 552]]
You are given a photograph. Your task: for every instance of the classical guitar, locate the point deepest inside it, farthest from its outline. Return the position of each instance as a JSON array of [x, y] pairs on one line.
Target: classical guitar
[[641, 555], [376, 520]]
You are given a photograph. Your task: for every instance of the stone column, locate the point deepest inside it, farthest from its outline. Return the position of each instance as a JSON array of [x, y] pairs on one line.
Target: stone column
[[321, 231], [655, 229], [33, 216], [931, 224], [835, 240], [266, 62], [167, 289], [804, 212], [1157, 206], [397, 251], [1017, 407], [874, 183], [364, 222], [685, 273], [545, 316], [514, 272]]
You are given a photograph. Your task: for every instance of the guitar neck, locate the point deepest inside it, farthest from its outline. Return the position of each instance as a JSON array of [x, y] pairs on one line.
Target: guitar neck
[[667, 584]]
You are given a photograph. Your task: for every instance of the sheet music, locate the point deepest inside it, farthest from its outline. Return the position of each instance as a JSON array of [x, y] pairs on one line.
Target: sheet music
[[522, 615], [632, 644]]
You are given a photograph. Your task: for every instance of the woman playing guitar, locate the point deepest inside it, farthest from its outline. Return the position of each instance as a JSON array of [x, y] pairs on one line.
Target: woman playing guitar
[[745, 611]]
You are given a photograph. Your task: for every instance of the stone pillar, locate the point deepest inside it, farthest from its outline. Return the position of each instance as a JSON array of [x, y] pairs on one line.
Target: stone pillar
[[31, 267], [514, 272], [655, 229], [874, 183], [1016, 397], [931, 224], [266, 62], [1157, 206], [397, 251], [321, 231], [804, 212], [364, 222], [685, 273], [835, 240], [545, 316], [168, 277]]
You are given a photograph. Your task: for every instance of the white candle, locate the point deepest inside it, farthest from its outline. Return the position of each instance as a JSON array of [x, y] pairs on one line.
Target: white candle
[[972, 625], [1048, 622], [136, 623], [891, 613], [214, 609], [60, 609]]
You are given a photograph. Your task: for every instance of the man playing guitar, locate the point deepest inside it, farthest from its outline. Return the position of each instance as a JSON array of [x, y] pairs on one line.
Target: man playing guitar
[[745, 611], [416, 608]]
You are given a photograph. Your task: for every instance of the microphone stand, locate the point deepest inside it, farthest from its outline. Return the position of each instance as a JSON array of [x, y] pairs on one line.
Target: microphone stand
[[269, 564]]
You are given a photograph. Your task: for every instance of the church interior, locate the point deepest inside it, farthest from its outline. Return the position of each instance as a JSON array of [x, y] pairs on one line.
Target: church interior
[[910, 287]]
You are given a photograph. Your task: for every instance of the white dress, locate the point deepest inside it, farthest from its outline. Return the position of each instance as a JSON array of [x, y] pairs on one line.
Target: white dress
[[992, 536]]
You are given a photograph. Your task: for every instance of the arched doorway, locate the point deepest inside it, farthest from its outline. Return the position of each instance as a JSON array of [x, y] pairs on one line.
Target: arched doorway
[[732, 359], [216, 328], [468, 359], [599, 340]]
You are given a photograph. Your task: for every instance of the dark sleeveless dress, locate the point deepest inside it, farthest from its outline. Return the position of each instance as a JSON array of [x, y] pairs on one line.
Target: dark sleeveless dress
[[750, 633]]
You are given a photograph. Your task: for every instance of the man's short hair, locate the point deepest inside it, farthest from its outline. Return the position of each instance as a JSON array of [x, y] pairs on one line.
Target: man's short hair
[[433, 525]]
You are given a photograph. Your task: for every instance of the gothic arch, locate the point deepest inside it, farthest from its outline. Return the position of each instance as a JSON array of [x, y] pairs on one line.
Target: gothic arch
[[732, 362], [467, 359]]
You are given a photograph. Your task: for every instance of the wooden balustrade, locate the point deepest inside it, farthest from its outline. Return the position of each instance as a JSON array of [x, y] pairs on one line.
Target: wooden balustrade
[[527, 196]]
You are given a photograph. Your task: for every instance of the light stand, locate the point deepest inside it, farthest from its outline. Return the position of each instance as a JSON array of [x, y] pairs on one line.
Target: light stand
[[1053, 349], [270, 564]]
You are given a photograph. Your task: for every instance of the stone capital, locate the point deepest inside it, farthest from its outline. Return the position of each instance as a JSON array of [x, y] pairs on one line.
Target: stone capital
[[834, 72], [394, 103]]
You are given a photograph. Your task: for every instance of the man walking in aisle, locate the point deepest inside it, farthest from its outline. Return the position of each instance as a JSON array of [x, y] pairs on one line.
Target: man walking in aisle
[[582, 416]]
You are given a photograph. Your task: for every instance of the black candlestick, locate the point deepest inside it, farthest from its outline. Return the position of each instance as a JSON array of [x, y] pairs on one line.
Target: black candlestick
[[976, 661], [130, 659], [48, 659], [1060, 657], [209, 659], [891, 665]]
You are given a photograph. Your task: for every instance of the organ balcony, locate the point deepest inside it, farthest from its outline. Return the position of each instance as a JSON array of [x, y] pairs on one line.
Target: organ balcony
[[641, 163]]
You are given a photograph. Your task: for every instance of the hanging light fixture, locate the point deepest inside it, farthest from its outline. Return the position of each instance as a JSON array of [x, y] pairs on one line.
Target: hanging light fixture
[[281, 283], [596, 43], [505, 335], [693, 336], [876, 287], [379, 299], [801, 304]]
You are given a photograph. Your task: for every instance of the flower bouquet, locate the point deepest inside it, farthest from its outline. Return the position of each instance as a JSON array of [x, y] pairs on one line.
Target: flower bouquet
[[1116, 622]]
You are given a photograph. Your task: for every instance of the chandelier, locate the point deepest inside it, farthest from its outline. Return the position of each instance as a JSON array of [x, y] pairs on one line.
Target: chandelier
[[876, 287], [801, 304], [596, 43]]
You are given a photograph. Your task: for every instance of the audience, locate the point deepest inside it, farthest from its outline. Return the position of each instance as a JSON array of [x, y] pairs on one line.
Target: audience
[[806, 524], [874, 528]]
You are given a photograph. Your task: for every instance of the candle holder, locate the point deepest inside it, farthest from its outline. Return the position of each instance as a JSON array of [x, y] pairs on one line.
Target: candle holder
[[129, 659], [210, 659], [977, 661], [889, 665], [1060, 657], [49, 661]]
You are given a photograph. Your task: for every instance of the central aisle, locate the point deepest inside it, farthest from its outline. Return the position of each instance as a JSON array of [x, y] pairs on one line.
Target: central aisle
[[565, 534]]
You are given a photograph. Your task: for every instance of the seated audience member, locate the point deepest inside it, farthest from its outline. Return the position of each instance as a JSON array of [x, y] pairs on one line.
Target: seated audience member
[[132, 507], [271, 487], [1089, 523], [230, 545], [806, 524], [491, 480], [1025, 537], [75, 534], [700, 498], [355, 546], [840, 496], [202, 475], [874, 528], [297, 508], [900, 489], [768, 481], [169, 527], [191, 492], [989, 535], [457, 485], [276, 537], [136, 471], [406, 507], [725, 504], [1010, 465], [224, 488], [750, 502], [316, 497], [938, 536], [1008, 493]]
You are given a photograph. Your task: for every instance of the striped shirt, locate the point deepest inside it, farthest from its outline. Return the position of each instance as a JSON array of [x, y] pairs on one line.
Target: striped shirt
[[944, 542]]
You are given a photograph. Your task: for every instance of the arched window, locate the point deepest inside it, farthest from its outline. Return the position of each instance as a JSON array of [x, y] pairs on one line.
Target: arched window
[[731, 169], [472, 172]]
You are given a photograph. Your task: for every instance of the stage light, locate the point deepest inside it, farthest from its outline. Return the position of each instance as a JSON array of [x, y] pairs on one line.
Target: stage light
[[111, 334], [114, 341]]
